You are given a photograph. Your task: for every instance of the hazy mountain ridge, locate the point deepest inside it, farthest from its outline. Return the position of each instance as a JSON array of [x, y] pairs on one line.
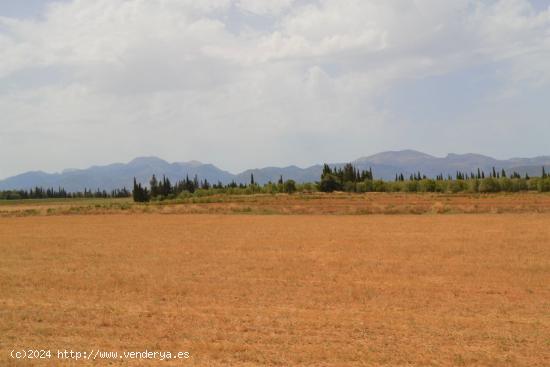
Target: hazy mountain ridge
[[384, 165]]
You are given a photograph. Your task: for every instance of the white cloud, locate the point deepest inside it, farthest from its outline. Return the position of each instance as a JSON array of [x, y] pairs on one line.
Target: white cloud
[[264, 7], [169, 77]]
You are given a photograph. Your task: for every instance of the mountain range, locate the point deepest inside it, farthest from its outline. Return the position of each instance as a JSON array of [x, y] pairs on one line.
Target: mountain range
[[384, 165]]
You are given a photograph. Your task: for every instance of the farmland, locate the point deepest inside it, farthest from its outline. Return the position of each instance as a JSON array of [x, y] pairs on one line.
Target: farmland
[[323, 280], [299, 203]]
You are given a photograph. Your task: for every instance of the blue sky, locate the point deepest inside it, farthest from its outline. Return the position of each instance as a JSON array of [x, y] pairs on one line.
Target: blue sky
[[24, 9], [250, 83]]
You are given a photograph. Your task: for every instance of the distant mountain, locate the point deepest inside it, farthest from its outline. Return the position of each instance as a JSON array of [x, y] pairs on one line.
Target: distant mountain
[[273, 174], [410, 161], [116, 175], [385, 165]]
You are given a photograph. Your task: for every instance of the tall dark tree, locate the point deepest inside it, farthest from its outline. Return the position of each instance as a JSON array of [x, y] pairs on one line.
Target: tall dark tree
[[154, 186]]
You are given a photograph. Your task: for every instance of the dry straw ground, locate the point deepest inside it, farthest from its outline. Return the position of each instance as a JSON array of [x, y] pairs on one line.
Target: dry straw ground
[[314, 203], [292, 290]]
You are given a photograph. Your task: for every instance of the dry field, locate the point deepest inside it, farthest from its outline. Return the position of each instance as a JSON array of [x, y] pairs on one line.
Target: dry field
[[281, 290], [314, 203]]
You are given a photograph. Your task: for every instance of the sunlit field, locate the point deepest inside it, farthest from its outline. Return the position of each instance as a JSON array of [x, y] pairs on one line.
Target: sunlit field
[[285, 290], [299, 203]]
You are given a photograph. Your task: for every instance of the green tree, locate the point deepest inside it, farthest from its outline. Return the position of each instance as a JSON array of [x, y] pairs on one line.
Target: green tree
[[154, 186], [290, 186], [329, 183]]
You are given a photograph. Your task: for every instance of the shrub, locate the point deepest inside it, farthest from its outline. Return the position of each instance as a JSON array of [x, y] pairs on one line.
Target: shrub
[[307, 187], [441, 186], [489, 184], [427, 186], [395, 186], [290, 186], [533, 184], [184, 194], [272, 188], [457, 186], [361, 187], [349, 186], [506, 185], [329, 183], [411, 186], [521, 184], [379, 186], [473, 185], [544, 185]]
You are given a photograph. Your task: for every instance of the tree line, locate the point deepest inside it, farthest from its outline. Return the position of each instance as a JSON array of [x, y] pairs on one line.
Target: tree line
[[346, 178], [164, 189], [349, 178], [61, 193]]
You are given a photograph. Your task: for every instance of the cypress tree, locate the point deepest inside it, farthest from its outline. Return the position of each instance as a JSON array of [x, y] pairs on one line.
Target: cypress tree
[[153, 185]]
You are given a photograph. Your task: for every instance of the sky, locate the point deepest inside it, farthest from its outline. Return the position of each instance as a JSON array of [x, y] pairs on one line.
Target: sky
[[255, 83]]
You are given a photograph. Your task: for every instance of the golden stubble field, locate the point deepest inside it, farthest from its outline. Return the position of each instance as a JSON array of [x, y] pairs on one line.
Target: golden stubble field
[[293, 290], [299, 203]]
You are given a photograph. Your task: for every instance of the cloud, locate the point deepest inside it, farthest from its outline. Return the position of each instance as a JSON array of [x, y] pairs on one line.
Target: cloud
[[120, 78], [264, 7]]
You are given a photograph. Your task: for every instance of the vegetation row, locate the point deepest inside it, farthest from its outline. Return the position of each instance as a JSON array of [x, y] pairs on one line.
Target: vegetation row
[[347, 179]]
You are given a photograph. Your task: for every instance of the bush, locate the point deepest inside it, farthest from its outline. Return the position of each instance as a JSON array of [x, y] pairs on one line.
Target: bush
[[379, 186], [489, 185], [473, 185], [307, 187], [10, 195], [289, 186], [533, 184], [543, 185], [361, 187], [395, 186], [441, 186], [349, 186], [411, 186], [271, 188], [427, 186], [329, 183], [509, 185], [456, 186], [184, 195], [521, 184]]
